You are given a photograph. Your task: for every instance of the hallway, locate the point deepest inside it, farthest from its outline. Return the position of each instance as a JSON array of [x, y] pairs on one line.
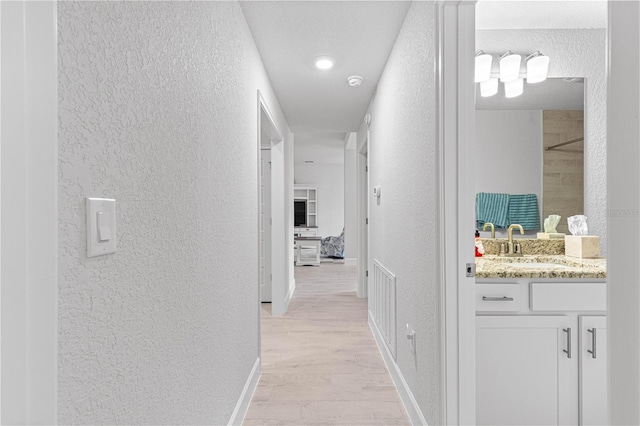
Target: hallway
[[320, 363]]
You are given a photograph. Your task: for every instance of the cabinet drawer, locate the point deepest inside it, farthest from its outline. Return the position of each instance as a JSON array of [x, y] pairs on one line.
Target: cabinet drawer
[[499, 298], [306, 232], [568, 297]]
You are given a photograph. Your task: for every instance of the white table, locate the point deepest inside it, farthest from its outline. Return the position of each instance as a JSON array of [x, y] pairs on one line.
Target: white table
[[308, 243]]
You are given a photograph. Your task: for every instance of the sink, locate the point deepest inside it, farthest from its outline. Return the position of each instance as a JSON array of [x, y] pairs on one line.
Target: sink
[[535, 265]]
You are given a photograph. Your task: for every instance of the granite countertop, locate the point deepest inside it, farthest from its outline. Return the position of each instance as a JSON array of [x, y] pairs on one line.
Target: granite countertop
[[491, 266]]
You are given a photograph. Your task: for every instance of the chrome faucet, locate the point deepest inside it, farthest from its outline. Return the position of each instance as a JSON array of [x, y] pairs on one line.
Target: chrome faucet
[[510, 251], [493, 229]]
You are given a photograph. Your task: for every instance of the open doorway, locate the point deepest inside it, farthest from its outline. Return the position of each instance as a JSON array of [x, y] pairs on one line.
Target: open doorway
[[271, 215]]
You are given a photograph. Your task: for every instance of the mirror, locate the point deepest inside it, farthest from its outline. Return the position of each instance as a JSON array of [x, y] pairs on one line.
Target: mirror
[[533, 144]]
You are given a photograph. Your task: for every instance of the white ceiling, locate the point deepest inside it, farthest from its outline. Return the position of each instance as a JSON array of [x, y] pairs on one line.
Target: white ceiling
[[290, 34], [542, 14], [319, 105], [551, 94]]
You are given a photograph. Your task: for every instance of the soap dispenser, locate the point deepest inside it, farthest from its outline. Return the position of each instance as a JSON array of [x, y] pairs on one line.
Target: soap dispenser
[[479, 246]]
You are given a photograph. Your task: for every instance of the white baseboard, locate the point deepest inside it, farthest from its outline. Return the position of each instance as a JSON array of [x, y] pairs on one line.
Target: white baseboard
[[352, 261], [245, 397], [409, 401], [330, 260], [287, 299]]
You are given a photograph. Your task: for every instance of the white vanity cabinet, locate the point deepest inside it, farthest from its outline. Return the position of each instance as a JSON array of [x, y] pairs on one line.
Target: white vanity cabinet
[[535, 361], [593, 370], [524, 377]]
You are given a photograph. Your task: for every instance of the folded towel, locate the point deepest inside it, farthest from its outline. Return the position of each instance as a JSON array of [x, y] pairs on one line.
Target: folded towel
[[492, 208], [523, 210]]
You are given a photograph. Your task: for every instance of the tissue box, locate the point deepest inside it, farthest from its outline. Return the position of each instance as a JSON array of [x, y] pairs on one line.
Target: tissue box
[[583, 246], [550, 235]]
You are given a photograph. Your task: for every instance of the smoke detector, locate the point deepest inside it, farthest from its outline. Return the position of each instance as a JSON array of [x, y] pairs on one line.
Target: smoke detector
[[354, 81]]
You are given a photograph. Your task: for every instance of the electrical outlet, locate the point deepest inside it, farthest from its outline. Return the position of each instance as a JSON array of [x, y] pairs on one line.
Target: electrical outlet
[[411, 336]]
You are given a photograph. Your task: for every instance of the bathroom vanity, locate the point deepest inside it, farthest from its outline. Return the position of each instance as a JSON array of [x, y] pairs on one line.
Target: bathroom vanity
[[541, 340]]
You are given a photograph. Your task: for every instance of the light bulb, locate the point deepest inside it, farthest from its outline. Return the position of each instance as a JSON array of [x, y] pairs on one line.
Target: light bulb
[[483, 66], [509, 66], [489, 87], [513, 88], [324, 62], [537, 68]]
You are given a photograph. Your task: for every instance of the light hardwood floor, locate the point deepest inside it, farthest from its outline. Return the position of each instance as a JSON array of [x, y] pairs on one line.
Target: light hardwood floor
[[320, 363]]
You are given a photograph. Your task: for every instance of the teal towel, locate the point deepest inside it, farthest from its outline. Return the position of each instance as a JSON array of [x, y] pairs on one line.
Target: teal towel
[[523, 210], [492, 208]]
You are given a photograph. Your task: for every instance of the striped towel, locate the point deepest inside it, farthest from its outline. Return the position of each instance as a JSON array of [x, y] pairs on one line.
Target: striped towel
[[523, 210], [492, 208]]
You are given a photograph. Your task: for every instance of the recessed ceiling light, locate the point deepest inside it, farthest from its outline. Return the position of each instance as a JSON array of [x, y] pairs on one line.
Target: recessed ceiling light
[[354, 81], [324, 62]]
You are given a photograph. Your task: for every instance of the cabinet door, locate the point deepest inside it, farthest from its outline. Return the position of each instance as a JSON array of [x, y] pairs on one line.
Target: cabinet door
[[524, 375], [593, 370]]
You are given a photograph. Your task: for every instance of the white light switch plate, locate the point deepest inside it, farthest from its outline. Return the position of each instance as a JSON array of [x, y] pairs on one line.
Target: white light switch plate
[[101, 226]]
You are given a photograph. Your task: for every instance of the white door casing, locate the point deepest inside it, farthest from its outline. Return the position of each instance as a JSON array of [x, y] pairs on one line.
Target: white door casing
[[363, 215], [265, 225], [29, 198], [456, 126], [280, 291], [623, 207], [270, 136]]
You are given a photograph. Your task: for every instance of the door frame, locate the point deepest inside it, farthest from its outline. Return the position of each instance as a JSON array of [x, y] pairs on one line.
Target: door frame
[[265, 146], [456, 124], [362, 166], [623, 209], [29, 197], [279, 238]]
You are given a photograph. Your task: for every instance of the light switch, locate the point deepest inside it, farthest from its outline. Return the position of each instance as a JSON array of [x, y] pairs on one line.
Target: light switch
[[101, 226], [104, 227]]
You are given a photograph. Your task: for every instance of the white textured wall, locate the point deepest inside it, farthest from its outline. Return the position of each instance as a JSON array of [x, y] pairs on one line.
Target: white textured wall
[[350, 199], [573, 53], [403, 226], [329, 178], [508, 154], [158, 109]]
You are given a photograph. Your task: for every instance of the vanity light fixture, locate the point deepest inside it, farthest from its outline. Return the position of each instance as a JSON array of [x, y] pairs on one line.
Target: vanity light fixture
[[537, 70], [324, 62], [354, 81], [489, 87], [509, 66], [537, 67], [513, 88], [483, 66]]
